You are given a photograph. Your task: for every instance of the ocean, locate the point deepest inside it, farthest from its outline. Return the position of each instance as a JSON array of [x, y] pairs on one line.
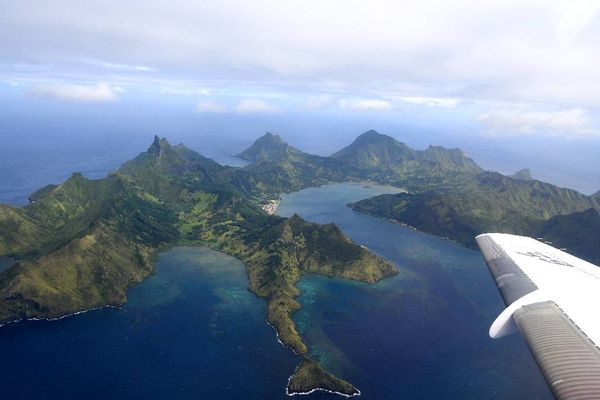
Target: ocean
[[192, 330]]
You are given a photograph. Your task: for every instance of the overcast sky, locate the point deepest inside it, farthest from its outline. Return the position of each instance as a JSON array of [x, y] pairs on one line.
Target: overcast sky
[[513, 67]]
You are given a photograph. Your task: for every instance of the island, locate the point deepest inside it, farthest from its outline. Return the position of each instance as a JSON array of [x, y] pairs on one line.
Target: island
[[493, 206], [308, 372], [81, 244]]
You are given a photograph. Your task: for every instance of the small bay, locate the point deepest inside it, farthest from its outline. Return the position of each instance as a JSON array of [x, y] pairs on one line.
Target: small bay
[[192, 330]]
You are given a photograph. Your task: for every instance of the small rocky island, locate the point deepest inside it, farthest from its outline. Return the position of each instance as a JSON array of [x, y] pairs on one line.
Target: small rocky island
[[309, 372]]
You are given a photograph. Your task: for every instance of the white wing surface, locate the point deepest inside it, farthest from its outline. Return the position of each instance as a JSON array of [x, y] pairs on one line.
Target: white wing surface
[[553, 299]]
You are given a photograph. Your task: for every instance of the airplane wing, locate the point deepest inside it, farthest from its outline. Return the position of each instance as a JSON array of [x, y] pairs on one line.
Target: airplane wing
[[553, 299]]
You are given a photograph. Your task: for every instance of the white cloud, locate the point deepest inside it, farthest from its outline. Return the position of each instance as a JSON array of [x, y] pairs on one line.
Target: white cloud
[[186, 91], [319, 102], [431, 101], [123, 67], [210, 107], [76, 93], [573, 122], [575, 18], [504, 50], [255, 106], [365, 104]]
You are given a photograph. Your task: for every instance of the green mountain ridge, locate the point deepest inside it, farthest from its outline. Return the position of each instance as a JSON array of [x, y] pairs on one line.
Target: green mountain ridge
[[278, 167], [381, 158], [374, 151]]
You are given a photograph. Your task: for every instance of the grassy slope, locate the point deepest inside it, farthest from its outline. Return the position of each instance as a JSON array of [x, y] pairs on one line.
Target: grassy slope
[[18, 231], [96, 251]]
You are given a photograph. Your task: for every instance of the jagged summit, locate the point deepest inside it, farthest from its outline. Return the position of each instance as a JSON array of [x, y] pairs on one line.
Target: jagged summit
[[522, 175], [166, 158], [271, 137], [267, 147], [158, 144], [372, 133], [163, 145], [375, 150], [372, 136]]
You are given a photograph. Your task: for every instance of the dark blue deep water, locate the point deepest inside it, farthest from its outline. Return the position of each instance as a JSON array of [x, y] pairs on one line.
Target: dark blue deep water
[[193, 331], [419, 335]]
